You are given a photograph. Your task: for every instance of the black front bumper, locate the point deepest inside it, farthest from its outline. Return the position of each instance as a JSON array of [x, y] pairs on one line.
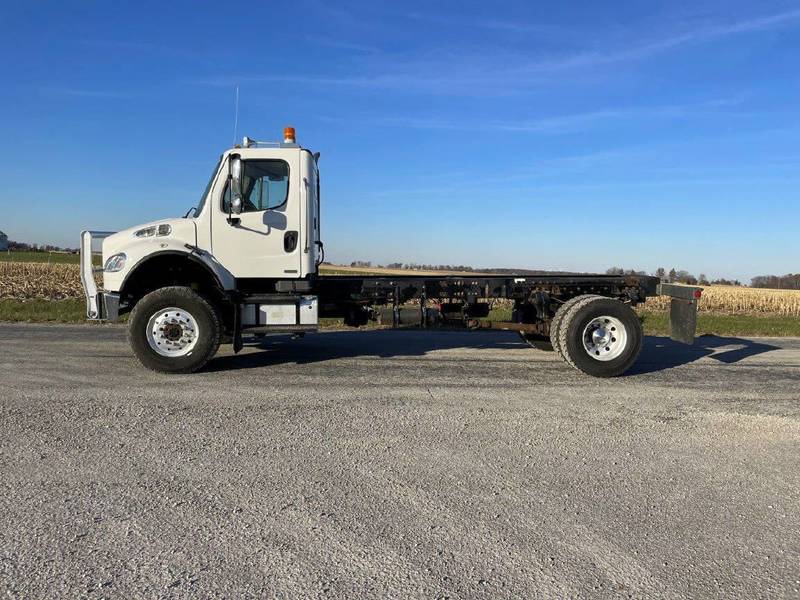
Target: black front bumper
[[108, 303]]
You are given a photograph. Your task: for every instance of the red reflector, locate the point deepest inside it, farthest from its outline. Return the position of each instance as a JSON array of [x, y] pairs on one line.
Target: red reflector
[[698, 293]]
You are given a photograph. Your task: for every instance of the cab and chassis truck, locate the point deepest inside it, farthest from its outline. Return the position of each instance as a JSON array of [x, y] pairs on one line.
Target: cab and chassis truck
[[246, 261]]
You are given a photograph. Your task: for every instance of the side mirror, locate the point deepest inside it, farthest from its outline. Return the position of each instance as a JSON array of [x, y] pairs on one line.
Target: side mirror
[[235, 166]]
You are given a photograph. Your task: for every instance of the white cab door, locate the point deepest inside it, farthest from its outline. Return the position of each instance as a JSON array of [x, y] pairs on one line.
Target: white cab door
[[267, 239]]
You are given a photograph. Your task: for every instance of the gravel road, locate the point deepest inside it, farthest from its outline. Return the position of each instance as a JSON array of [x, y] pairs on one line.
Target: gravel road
[[397, 464]]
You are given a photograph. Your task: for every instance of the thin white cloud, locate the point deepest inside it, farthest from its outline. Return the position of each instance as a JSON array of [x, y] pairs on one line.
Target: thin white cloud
[[125, 45], [647, 48], [554, 124], [342, 44], [527, 28], [481, 74], [149, 49], [86, 93], [651, 160]]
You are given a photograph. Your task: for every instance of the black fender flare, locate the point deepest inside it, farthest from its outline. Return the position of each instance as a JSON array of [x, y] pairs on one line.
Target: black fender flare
[[184, 255]]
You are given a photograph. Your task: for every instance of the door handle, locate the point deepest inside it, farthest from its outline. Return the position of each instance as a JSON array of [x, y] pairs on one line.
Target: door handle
[[290, 241]]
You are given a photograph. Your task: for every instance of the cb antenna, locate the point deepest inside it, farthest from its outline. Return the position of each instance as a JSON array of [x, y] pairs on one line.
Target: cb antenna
[[236, 116]]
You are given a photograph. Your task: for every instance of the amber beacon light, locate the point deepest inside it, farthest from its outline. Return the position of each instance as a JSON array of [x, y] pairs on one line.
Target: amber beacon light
[[288, 135]]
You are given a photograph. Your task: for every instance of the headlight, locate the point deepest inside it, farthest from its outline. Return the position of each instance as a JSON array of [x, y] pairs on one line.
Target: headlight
[[159, 230], [115, 263]]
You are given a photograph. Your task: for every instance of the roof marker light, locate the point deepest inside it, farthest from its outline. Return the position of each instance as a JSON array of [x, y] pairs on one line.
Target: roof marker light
[[288, 135]]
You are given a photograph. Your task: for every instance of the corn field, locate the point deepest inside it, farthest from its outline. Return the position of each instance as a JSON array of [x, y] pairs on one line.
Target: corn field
[[26, 280], [740, 301], [23, 280]]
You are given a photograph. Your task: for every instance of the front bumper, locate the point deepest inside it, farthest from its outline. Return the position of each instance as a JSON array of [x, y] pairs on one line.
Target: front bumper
[[100, 305], [108, 305]]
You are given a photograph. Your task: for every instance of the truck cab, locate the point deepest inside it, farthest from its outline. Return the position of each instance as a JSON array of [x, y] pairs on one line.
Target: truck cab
[[270, 227], [258, 220], [250, 248]]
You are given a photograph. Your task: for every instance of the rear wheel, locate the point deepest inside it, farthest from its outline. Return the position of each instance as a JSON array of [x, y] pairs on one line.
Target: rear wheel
[[600, 336], [558, 319], [174, 330]]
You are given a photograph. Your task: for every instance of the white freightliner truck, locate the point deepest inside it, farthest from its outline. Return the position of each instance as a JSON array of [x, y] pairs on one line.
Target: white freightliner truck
[[247, 261]]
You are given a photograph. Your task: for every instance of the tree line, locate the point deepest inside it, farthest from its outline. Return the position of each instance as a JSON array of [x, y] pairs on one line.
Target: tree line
[[676, 276], [25, 247], [411, 266], [790, 281], [673, 275]]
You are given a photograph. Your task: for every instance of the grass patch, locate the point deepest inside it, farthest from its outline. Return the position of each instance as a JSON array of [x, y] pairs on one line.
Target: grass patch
[[500, 314], [71, 310], [41, 257], [657, 323], [50, 258]]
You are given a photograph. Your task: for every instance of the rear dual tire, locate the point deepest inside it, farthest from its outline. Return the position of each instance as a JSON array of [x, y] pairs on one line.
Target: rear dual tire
[[550, 343], [562, 311], [599, 336]]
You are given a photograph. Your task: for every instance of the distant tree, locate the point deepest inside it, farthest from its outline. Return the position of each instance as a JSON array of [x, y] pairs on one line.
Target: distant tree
[[14, 246], [685, 277], [722, 281], [790, 281], [615, 271], [702, 279], [661, 273], [673, 275]]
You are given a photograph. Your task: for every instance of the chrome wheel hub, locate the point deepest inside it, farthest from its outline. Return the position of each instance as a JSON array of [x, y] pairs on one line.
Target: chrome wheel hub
[[605, 338], [172, 332]]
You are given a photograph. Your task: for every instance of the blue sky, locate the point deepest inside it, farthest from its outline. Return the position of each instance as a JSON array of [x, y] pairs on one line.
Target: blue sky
[[574, 135]]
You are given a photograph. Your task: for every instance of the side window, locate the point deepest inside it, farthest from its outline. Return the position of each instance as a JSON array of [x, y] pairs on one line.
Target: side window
[[265, 185]]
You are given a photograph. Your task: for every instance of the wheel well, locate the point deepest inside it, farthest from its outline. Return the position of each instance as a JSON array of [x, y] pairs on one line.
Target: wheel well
[[169, 269]]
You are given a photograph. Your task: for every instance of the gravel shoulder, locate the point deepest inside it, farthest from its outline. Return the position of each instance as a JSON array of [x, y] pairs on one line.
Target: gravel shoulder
[[397, 464]]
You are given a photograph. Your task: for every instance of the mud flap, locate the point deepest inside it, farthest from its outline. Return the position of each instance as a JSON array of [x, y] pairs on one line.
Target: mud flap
[[237, 328], [682, 310]]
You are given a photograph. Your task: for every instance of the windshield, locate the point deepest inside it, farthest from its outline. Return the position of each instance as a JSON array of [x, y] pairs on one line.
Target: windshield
[[203, 198]]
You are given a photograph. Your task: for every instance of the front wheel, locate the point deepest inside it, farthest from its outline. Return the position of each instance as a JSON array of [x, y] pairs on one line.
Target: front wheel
[[174, 330], [600, 336]]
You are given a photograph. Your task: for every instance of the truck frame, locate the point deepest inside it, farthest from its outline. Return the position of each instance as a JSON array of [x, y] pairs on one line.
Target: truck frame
[[247, 262]]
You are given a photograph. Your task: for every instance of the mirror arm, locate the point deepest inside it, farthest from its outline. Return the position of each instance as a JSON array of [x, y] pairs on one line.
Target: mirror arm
[[235, 192], [231, 220]]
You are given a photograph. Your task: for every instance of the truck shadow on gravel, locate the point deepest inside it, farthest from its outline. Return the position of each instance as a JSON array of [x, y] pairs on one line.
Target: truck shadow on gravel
[[658, 353], [383, 343], [661, 353]]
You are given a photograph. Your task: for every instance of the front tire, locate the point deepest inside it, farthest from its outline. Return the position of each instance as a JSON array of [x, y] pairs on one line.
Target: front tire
[[174, 330], [600, 336]]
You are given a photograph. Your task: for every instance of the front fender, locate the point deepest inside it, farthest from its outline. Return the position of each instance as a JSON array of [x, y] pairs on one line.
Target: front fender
[[222, 278], [183, 232]]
